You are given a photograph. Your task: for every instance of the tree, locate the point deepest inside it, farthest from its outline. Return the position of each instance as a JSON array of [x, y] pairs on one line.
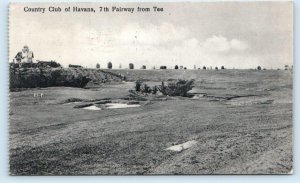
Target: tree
[[109, 65], [120, 66], [204, 68], [286, 67], [98, 66], [222, 67], [258, 67], [176, 67], [143, 67], [181, 67], [195, 67], [216, 68], [131, 66], [184, 68]]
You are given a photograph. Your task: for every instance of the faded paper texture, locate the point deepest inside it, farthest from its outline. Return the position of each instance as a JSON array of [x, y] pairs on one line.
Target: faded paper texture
[[175, 88]]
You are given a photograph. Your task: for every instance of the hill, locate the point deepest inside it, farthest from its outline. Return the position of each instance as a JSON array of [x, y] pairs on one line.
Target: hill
[[49, 76]]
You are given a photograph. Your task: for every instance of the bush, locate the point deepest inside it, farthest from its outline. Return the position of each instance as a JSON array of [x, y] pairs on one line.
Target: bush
[[177, 87], [138, 85], [222, 67], [204, 68], [109, 65], [143, 67], [98, 66], [172, 88], [258, 67], [131, 66], [176, 66], [75, 66]]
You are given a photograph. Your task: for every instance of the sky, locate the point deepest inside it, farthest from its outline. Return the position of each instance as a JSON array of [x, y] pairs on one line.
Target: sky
[[231, 34]]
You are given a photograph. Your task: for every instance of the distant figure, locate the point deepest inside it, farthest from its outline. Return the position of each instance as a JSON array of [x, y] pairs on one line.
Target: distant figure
[[38, 95]]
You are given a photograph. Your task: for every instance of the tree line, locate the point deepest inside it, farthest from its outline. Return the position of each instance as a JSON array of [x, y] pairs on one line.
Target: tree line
[[176, 67]]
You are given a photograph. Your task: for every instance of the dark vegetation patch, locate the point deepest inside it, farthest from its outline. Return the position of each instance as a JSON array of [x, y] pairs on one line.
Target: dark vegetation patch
[[70, 100], [34, 77], [170, 88], [83, 105]]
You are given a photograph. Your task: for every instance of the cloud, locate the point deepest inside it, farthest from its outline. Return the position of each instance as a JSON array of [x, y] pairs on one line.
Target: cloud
[[238, 45], [222, 44], [151, 34], [149, 44]]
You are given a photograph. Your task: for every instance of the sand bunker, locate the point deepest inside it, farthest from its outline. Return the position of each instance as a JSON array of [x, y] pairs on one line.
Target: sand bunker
[[181, 147], [120, 105], [92, 108]]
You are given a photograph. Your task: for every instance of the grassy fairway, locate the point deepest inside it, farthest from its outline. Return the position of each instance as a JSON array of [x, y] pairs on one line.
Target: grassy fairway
[[242, 135]]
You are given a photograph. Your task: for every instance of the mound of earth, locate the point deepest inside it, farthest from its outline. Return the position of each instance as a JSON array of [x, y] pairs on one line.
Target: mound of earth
[[47, 77]]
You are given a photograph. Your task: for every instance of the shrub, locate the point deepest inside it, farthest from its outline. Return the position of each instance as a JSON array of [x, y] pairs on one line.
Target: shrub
[[176, 66], [143, 67], [172, 88], [177, 87], [75, 66], [204, 68], [109, 65], [131, 66], [222, 67], [98, 66], [138, 85]]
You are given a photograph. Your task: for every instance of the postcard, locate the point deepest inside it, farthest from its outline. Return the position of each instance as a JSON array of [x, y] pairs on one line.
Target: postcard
[[177, 88]]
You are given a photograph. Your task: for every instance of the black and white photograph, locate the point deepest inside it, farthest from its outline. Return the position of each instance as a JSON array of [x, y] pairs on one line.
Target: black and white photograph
[[166, 88]]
